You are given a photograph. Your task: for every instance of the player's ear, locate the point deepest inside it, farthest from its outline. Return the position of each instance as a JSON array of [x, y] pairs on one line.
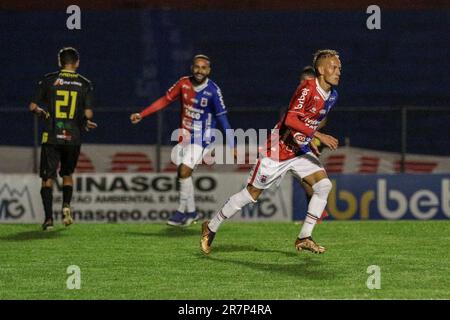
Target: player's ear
[[321, 70]]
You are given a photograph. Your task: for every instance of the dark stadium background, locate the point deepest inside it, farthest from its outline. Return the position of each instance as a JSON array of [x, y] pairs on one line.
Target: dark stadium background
[[394, 91]]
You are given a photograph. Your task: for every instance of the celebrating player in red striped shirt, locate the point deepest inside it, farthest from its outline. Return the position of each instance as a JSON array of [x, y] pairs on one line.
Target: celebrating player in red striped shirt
[[308, 107], [202, 106]]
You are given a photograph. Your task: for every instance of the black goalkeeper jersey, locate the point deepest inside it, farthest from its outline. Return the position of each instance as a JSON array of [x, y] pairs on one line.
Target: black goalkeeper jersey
[[65, 94]]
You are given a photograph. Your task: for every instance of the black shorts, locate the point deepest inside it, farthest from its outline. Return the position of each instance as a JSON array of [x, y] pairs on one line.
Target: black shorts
[[54, 154]]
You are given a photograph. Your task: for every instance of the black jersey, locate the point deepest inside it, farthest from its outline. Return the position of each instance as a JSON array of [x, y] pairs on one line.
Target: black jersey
[[65, 94]]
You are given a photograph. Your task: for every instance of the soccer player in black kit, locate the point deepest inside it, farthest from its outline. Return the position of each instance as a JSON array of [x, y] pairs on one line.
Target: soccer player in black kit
[[67, 99]]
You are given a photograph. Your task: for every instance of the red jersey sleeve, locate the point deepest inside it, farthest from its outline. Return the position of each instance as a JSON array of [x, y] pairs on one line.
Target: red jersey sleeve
[[300, 104], [172, 94], [174, 91], [159, 104]]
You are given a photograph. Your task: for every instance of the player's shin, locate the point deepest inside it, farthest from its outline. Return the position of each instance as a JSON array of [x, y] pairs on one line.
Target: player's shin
[[67, 195], [231, 207], [190, 203], [186, 192], [316, 206], [47, 201]]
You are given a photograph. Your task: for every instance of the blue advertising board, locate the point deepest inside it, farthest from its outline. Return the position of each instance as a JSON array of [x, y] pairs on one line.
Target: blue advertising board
[[389, 197]]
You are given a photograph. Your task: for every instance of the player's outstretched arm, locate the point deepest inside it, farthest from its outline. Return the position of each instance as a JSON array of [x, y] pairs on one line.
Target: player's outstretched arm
[[159, 104]]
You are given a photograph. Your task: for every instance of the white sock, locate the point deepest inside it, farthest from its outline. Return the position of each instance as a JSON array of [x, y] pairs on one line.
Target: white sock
[[190, 204], [231, 207], [186, 190], [308, 226], [316, 206]]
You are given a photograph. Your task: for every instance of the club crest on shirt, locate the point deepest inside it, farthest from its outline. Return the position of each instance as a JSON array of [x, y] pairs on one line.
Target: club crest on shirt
[[203, 102]]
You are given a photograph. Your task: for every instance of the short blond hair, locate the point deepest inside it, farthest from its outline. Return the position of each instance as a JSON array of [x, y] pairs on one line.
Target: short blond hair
[[322, 54]]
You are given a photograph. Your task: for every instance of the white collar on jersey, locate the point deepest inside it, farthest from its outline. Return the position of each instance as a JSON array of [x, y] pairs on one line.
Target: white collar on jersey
[[201, 87], [325, 95]]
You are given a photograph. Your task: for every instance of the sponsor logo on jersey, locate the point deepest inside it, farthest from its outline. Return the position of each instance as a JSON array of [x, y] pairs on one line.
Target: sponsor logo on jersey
[[191, 108], [311, 123], [300, 138], [187, 123], [68, 74], [58, 82], [193, 113], [61, 82], [64, 136], [302, 98], [207, 93]]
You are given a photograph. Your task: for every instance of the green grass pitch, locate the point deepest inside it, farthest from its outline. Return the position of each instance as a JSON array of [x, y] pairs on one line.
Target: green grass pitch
[[249, 261]]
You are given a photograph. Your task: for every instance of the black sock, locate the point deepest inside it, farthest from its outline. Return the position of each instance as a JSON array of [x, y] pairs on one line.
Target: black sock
[[47, 201], [67, 195]]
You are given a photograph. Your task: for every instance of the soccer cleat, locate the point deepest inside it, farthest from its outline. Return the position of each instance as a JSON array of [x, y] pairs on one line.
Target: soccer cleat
[[177, 219], [47, 225], [207, 238], [67, 213], [190, 218], [308, 244]]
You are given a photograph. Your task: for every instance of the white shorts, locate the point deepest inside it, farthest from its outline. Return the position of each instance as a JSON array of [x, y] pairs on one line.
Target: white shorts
[[266, 171], [190, 155]]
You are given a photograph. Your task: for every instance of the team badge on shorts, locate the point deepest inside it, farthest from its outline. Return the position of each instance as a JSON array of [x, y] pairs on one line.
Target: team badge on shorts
[[263, 179]]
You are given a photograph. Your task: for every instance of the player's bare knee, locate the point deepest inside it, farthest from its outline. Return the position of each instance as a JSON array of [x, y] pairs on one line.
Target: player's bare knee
[[322, 188], [254, 192], [184, 172], [48, 183], [67, 180]]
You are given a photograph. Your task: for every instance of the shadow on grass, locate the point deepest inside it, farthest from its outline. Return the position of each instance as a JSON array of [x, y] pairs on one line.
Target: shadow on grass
[[304, 267], [173, 232], [240, 248], [33, 235]]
